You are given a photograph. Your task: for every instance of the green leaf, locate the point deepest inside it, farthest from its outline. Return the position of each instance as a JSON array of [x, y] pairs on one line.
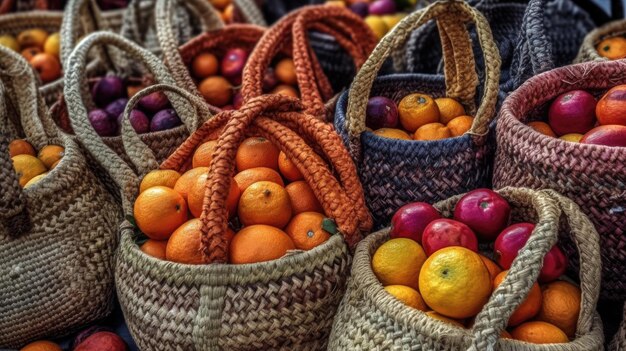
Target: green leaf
[[330, 226]]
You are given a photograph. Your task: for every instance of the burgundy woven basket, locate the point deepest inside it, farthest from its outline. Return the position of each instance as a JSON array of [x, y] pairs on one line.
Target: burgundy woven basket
[[594, 176]]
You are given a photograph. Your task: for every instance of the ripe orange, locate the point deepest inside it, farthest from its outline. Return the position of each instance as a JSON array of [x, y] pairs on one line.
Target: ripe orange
[[198, 190], [432, 131], [48, 66], [205, 65], [611, 108], [265, 203], [34, 180], [392, 133], [288, 169], [612, 48], [204, 154], [32, 37], [216, 90], [154, 248], [455, 282], [259, 243], [287, 90], [159, 211], [305, 229], [435, 315], [286, 71], [252, 175], [54, 165], [21, 147], [408, 296], [228, 14], [188, 179], [506, 335], [416, 110], [50, 154], [185, 244], [398, 262], [256, 152], [529, 308], [561, 306], [220, 4], [460, 125], [27, 167], [492, 267], [539, 333], [30, 52], [42, 346], [543, 128], [449, 109], [302, 198], [162, 177]]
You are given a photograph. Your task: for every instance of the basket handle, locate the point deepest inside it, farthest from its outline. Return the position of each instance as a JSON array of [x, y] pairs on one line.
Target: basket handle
[[458, 58], [524, 272], [251, 12], [346, 27]]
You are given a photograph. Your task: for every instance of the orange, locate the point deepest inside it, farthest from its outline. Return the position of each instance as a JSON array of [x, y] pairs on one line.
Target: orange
[[543, 128], [455, 282], [185, 244], [198, 190], [42, 346], [611, 108], [30, 52], [286, 71], [612, 48], [259, 243], [252, 175], [159, 211], [204, 154], [256, 152], [216, 90], [561, 306], [303, 198], [305, 229], [21, 147], [54, 165], [228, 14], [416, 110], [529, 308], [162, 177], [50, 154], [188, 179], [432, 131], [205, 65], [27, 167], [32, 37], [154, 248], [392, 133], [408, 296], [35, 180], [492, 267], [48, 66], [435, 315], [287, 90], [265, 203], [449, 109], [52, 45], [288, 168], [506, 335], [460, 125], [539, 333], [572, 137], [398, 262], [220, 4]]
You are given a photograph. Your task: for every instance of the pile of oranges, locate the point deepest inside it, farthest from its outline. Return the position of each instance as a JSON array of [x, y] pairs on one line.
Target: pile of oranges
[[31, 166], [269, 203], [40, 49]]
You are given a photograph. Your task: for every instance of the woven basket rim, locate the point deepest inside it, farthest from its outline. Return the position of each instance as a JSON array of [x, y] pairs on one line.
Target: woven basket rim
[[199, 40]]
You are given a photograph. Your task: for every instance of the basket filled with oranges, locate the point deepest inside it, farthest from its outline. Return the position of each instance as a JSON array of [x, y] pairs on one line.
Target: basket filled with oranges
[[423, 137], [565, 130], [427, 283], [605, 43]]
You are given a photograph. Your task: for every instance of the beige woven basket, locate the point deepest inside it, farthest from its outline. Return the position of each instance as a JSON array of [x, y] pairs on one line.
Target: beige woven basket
[[588, 51]]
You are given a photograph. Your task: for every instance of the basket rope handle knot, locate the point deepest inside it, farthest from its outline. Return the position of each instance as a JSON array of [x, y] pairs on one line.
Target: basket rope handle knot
[[461, 77], [346, 27], [525, 269]]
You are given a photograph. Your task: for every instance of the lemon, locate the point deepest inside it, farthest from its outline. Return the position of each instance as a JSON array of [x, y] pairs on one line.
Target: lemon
[[377, 25]]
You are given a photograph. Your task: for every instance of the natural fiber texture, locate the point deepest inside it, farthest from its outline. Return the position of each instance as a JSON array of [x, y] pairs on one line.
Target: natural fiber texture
[[57, 237], [369, 318], [395, 172], [588, 51], [593, 176]]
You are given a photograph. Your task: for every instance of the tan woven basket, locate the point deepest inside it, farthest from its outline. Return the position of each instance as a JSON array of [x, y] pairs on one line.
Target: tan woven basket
[[588, 51], [371, 319]]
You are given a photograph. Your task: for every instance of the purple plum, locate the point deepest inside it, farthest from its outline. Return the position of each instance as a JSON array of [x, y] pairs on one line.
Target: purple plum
[[116, 108], [165, 119], [102, 123], [108, 89], [361, 8], [382, 7], [138, 120], [154, 102], [381, 113]]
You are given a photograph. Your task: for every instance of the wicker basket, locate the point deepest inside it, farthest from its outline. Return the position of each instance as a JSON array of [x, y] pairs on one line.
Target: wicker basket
[[588, 51], [370, 318]]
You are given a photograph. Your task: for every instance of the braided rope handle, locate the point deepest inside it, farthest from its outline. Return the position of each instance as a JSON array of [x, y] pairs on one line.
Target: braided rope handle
[[550, 207], [251, 12], [447, 12], [346, 27]]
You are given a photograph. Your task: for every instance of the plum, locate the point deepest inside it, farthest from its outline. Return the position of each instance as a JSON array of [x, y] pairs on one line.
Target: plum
[[107, 89], [138, 120], [361, 8], [381, 113], [382, 7], [116, 108], [269, 80], [102, 123], [233, 63], [165, 119], [154, 102]]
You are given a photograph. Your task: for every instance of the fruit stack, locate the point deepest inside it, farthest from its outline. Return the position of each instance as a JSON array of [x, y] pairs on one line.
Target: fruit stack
[[40, 48], [94, 338], [380, 15], [31, 166]]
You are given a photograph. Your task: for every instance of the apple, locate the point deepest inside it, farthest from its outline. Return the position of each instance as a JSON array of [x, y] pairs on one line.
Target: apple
[[484, 211], [607, 135], [554, 265], [445, 232], [411, 220], [381, 112], [102, 341], [572, 112], [233, 63]]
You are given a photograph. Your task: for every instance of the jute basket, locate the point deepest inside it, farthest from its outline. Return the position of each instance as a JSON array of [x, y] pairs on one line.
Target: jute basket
[[395, 172], [58, 236], [588, 51], [593, 176], [369, 318]]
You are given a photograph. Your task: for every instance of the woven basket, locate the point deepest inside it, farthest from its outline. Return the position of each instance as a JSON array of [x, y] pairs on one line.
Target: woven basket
[[532, 37], [591, 175], [588, 50], [370, 318], [57, 237], [395, 172]]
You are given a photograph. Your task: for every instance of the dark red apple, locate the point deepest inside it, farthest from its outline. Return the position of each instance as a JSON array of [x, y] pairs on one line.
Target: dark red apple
[[102, 341], [445, 232], [138, 120], [411, 220], [87, 333], [572, 112], [554, 265], [233, 63], [484, 211], [381, 112], [269, 80], [607, 135]]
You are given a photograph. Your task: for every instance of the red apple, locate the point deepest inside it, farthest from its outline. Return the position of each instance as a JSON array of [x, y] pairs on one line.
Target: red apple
[[381, 112], [102, 341], [607, 135], [233, 63], [411, 220], [572, 112], [445, 232], [484, 211], [554, 265]]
